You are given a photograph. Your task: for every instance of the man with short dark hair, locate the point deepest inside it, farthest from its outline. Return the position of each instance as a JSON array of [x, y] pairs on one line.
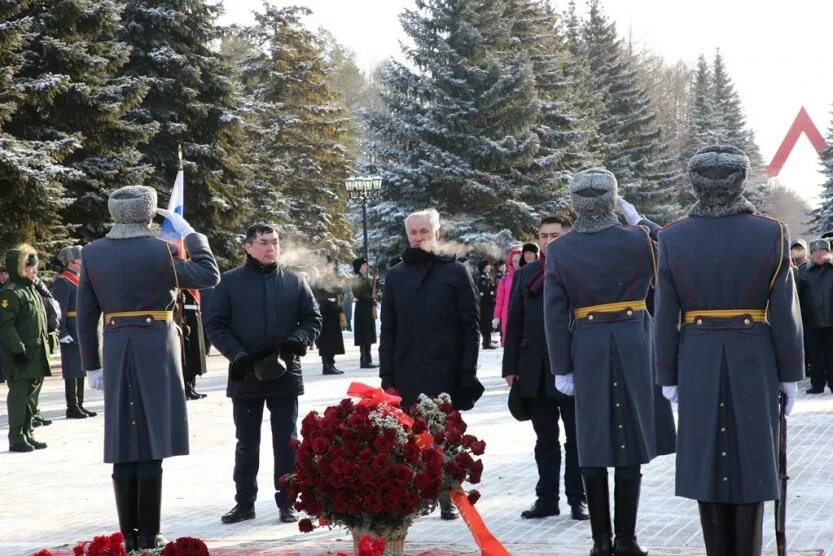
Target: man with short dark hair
[[526, 361], [262, 318], [4, 275]]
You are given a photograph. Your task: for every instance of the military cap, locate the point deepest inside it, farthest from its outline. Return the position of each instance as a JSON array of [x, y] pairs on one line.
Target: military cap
[[817, 244]]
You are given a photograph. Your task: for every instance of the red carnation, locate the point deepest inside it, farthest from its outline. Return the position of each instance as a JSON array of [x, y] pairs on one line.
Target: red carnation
[[305, 525], [475, 471], [320, 445], [439, 437], [454, 437], [478, 448], [419, 426]]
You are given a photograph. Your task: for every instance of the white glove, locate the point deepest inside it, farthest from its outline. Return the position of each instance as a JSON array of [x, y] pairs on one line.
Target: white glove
[[790, 390], [564, 384], [628, 210], [181, 227], [96, 379], [670, 393], [66, 339], [495, 324]]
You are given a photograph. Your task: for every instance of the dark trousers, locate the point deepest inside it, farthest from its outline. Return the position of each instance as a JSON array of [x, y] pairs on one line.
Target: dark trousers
[[545, 413], [486, 324], [20, 408], [248, 417], [732, 529], [74, 392], [820, 354], [328, 359], [366, 358]]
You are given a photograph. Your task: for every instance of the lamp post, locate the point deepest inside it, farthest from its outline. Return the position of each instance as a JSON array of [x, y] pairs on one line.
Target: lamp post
[[363, 188]]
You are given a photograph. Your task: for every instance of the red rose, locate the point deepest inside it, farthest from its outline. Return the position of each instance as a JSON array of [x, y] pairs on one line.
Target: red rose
[[305, 525], [454, 437], [439, 437], [372, 504], [365, 456], [320, 445], [422, 481], [419, 426], [464, 460], [468, 440], [402, 474], [473, 497], [43, 552], [475, 471], [411, 452], [478, 448]]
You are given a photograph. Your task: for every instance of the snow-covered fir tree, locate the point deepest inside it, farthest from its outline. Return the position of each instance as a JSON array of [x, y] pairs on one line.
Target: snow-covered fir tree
[[298, 157], [74, 57], [458, 127], [192, 98], [822, 216], [31, 191], [632, 144]]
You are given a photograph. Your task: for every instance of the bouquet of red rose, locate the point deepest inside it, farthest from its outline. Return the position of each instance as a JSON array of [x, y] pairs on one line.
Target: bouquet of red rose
[[439, 418], [361, 465]]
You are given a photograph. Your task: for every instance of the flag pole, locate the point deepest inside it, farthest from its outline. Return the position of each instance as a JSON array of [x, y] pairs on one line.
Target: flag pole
[[179, 152]]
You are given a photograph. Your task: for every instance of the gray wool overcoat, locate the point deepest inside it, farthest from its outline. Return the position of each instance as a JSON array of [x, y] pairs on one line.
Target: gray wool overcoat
[[727, 370], [144, 397], [610, 354]]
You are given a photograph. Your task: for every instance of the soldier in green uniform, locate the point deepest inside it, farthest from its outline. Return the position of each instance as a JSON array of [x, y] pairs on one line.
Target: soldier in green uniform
[[24, 347]]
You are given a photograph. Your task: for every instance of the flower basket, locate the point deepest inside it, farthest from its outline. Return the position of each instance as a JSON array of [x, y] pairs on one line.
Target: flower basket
[[394, 541]]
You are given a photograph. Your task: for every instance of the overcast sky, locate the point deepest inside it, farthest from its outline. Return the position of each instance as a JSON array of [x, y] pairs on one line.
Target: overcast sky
[[775, 55]]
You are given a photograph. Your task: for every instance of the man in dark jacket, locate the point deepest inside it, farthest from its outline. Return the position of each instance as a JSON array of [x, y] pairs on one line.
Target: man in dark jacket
[[525, 360], [330, 342], [599, 342], [130, 277], [262, 318], [24, 346], [430, 336], [815, 293], [64, 290], [364, 317], [486, 295], [798, 254], [728, 338]]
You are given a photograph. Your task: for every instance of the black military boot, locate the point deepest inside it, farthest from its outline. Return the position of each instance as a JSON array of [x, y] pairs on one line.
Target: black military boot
[[191, 392], [748, 524], [150, 509], [714, 518], [127, 507], [330, 369], [541, 508], [71, 395], [598, 504], [626, 499], [80, 392]]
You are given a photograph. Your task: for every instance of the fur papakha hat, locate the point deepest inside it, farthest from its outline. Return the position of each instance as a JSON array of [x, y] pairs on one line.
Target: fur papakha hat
[[69, 253], [817, 244], [131, 207]]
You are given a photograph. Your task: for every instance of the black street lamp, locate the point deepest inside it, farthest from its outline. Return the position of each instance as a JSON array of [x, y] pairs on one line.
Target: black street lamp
[[363, 188]]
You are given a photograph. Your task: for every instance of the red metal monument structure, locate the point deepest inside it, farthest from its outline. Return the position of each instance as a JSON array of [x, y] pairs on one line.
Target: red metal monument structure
[[801, 124]]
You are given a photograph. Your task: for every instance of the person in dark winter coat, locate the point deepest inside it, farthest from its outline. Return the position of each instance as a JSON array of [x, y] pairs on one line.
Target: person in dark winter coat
[[728, 339], [815, 294], [64, 290], [798, 255], [529, 254], [131, 278], [486, 294], [430, 335], [525, 360], [330, 342], [364, 317], [24, 346], [262, 318], [193, 345], [599, 337]]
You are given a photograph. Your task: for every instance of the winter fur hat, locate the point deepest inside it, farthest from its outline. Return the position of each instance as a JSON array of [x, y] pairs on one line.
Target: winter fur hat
[[357, 264], [817, 244], [131, 207], [69, 253], [718, 176], [593, 194]]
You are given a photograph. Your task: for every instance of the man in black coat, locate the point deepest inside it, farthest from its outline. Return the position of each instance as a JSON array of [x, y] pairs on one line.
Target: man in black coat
[[364, 317], [262, 318], [815, 293], [330, 342], [486, 292], [430, 333], [526, 361]]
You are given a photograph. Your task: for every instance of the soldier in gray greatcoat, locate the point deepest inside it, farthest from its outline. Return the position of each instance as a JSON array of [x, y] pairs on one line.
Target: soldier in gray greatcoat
[[728, 338], [131, 277], [64, 291], [600, 347]]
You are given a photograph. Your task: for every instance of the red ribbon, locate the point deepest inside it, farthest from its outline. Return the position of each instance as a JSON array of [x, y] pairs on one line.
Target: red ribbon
[[488, 543], [372, 397]]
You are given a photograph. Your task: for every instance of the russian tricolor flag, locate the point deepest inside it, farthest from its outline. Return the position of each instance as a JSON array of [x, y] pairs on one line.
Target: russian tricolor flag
[[177, 205]]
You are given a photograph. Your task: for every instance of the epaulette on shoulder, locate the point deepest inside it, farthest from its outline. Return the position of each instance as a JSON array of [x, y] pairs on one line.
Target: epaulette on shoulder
[[771, 219], [683, 219]]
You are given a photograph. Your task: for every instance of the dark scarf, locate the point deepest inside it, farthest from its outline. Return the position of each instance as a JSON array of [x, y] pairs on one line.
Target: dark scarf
[[536, 283], [417, 256], [259, 267]]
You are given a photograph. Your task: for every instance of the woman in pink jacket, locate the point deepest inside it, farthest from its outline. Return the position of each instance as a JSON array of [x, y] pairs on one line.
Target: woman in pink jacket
[[504, 289]]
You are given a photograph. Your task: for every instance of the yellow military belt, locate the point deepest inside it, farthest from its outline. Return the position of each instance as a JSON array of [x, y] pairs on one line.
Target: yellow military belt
[[70, 313], [109, 318], [630, 306], [752, 315]]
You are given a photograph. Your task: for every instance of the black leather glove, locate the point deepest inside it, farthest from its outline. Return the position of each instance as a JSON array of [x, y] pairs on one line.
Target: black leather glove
[[19, 358], [242, 365], [294, 347]]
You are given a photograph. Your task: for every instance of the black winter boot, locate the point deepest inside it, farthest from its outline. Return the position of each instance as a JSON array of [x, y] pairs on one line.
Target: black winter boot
[[127, 506], [79, 388], [598, 505], [150, 509], [715, 520], [71, 395], [748, 524], [626, 498]]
